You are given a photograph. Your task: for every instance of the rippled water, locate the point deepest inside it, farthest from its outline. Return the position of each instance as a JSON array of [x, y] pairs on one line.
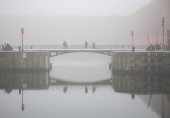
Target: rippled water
[[82, 86]]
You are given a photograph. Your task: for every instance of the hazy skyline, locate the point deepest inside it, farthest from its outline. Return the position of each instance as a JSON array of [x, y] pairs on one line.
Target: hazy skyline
[[55, 21], [70, 7]]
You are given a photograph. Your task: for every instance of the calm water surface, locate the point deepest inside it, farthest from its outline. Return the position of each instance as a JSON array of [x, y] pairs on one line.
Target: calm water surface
[[82, 86]]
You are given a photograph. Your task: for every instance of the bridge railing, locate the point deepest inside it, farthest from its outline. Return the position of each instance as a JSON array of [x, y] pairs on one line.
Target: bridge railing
[[80, 47]]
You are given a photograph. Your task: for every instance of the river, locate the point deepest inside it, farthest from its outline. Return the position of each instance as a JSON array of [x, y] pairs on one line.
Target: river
[[81, 85]]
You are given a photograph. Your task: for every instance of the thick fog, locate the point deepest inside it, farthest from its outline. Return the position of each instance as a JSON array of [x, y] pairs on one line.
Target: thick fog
[[70, 7], [51, 22]]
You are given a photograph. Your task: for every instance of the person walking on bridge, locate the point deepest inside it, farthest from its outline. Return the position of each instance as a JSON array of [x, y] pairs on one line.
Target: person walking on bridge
[[65, 45], [19, 47], [86, 44], [93, 46]]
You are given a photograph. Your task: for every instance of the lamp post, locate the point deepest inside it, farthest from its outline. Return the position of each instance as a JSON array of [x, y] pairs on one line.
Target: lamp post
[[22, 33], [163, 21], [132, 34], [149, 44]]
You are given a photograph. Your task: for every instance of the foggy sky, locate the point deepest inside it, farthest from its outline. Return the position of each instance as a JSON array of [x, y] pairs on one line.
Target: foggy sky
[[70, 7], [50, 22]]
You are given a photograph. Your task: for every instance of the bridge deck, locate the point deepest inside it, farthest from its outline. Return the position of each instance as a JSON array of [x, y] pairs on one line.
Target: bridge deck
[[80, 46], [103, 49]]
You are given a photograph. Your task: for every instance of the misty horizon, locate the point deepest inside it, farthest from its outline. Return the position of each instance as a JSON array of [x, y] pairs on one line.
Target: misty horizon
[[73, 7], [75, 29]]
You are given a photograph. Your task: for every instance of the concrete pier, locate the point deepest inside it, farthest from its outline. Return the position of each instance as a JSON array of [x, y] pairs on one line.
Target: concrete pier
[[141, 62], [36, 61]]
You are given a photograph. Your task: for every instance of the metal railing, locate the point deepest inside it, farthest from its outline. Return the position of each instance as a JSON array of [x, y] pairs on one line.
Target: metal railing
[[80, 47]]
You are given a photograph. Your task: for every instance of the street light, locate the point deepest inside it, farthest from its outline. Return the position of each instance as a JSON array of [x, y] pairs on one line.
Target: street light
[[149, 44], [163, 21], [132, 34], [22, 33]]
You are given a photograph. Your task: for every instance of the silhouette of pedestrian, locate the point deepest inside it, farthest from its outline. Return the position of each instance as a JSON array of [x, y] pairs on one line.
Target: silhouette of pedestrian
[[86, 44], [93, 46], [64, 45], [133, 49], [19, 47]]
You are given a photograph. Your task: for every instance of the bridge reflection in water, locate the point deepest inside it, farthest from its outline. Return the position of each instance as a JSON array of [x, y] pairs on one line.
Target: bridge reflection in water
[[59, 84], [154, 90], [132, 84], [21, 81], [141, 84], [157, 87], [136, 85], [35, 81]]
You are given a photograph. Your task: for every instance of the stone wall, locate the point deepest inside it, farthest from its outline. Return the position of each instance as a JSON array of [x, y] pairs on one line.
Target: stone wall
[[24, 60], [141, 62]]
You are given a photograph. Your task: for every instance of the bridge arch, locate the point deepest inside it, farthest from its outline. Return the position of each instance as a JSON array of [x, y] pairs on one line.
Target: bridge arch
[[57, 53]]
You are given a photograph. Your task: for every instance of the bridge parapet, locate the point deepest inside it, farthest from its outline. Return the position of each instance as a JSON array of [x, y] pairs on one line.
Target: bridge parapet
[[80, 47]]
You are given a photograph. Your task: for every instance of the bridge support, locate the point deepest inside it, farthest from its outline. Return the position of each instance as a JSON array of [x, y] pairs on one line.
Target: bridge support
[[141, 62], [38, 61]]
